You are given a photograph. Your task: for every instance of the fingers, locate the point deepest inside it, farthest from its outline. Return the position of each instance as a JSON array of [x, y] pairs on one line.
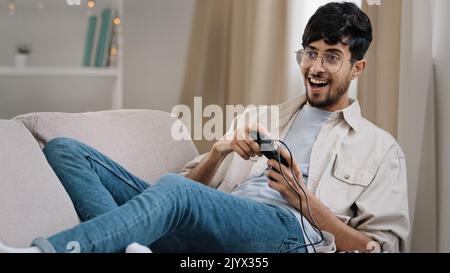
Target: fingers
[[242, 144], [278, 182], [248, 145], [254, 147], [276, 186], [240, 149], [251, 142], [283, 184], [286, 170], [285, 154], [258, 127], [279, 167], [277, 176]]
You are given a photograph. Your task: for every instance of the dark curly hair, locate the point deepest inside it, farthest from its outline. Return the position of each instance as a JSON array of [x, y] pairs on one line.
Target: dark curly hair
[[340, 22]]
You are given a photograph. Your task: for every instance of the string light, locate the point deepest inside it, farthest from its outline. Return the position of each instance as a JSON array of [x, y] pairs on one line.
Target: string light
[[117, 21], [12, 8], [114, 51], [91, 4]]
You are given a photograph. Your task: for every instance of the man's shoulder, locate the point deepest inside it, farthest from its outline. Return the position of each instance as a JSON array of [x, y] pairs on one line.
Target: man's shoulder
[[367, 127], [379, 138]]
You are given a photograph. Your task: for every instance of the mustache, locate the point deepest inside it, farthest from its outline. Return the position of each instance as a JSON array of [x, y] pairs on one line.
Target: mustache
[[318, 77]]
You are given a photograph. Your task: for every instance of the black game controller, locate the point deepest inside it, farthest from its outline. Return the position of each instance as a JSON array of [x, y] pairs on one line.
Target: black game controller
[[268, 147]]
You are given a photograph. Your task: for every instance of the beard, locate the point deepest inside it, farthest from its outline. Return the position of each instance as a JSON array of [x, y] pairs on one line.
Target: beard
[[331, 98]]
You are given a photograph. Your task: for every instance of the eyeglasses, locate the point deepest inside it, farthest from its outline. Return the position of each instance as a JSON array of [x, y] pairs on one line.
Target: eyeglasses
[[332, 63]]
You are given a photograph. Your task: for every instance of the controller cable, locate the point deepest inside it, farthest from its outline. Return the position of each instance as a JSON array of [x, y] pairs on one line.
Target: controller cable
[[314, 224]]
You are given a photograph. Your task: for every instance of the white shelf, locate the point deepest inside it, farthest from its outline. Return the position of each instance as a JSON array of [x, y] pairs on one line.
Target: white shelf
[[59, 71], [25, 26]]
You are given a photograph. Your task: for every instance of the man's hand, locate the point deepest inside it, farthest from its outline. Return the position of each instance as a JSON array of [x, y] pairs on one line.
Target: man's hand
[[240, 142], [346, 237], [288, 188]]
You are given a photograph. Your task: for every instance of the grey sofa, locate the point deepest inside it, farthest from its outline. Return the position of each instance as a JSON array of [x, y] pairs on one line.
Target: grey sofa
[[32, 201]]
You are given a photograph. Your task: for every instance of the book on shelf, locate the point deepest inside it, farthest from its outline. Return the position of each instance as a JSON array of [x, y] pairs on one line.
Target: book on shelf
[[90, 39], [114, 47], [105, 45], [104, 38]]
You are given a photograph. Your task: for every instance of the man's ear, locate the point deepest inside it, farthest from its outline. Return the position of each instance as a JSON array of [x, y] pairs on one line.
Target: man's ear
[[358, 68]]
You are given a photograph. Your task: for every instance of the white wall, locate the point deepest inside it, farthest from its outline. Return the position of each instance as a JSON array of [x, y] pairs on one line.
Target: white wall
[[442, 69], [157, 36], [54, 32], [57, 34]]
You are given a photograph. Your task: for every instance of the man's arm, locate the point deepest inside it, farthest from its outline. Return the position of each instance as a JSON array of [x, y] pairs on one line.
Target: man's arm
[[207, 168], [239, 143], [383, 213], [346, 237]]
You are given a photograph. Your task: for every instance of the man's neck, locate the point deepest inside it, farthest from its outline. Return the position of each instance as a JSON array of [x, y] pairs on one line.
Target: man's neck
[[343, 103]]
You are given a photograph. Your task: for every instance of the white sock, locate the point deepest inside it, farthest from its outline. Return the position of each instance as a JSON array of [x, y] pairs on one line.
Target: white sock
[[7, 249], [132, 248], [137, 248]]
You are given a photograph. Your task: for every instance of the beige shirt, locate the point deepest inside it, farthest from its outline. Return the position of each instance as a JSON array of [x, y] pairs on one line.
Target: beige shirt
[[356, 169]]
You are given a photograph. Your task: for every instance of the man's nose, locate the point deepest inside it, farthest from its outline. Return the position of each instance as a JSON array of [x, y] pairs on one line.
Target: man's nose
[[317, 66]]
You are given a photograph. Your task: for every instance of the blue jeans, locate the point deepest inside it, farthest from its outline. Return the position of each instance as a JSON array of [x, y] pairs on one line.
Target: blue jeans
[[175, 215]]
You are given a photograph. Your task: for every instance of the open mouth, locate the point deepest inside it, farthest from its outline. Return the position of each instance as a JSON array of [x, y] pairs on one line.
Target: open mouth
[[317, 83]]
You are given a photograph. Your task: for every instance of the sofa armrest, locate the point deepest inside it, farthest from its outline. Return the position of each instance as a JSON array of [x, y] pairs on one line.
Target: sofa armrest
[[30, 193]]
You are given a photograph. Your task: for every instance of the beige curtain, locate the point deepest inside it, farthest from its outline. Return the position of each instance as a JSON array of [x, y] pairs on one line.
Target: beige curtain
[[417, 121], [237, 54], [397, 93], [378, 87]]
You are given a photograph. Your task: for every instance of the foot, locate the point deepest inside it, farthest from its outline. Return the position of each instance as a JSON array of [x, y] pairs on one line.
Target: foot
[[8, 249], [137, 248]]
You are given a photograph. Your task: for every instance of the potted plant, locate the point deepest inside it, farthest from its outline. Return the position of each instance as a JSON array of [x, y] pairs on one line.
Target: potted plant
[[22, 53]]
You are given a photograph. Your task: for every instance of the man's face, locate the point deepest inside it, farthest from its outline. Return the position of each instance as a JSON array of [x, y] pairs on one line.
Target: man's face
[[324, 89]]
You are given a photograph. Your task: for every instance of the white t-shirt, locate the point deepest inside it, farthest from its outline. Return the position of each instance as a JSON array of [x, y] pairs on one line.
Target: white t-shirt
[[300, 140]]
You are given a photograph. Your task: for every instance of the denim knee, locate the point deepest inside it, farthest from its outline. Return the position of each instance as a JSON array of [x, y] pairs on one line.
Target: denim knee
[[173, 180], [58, 143], [60, 146], [176, 182]]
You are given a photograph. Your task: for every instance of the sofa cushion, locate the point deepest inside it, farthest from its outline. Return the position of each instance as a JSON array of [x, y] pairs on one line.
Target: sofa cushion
[[33, 202], [139, 140]]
